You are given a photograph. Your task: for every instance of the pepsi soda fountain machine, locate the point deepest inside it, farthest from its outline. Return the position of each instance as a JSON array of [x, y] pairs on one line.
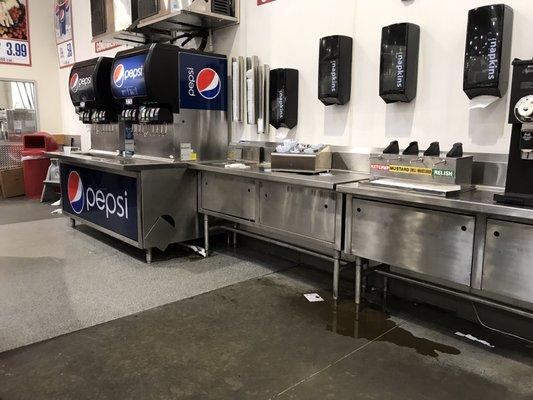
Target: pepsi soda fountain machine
[[176, 101], [90, 93]]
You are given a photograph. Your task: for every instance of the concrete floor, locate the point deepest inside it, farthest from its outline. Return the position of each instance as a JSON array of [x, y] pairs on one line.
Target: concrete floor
[[56, 280], [19, 209], [261, 339]]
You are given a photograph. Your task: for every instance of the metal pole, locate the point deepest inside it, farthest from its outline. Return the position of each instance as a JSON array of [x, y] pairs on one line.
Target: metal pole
[[385, 289], [336, 273], [358, 268], [235, 236], [148, 256], [206, 234]]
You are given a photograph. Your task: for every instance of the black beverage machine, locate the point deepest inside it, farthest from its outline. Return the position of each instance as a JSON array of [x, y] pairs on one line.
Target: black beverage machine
[[90, 92], [518, 186]]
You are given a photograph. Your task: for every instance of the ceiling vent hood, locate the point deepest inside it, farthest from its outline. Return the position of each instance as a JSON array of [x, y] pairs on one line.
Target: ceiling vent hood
[[173, 14]]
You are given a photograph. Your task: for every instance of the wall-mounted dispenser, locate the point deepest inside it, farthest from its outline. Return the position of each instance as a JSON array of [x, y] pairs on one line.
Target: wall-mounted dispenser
[[488, 51], [252, 84], [238, 89], [335, 69], [263, 118], [398, 71], [284, 98]]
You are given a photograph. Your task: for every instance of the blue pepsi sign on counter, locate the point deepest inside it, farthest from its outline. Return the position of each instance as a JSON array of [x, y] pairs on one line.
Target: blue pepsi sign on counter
[[127, 77], [105, 199], [203, 81]]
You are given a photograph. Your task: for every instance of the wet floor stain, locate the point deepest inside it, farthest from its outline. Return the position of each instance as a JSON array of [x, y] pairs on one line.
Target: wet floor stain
[[374, 324]]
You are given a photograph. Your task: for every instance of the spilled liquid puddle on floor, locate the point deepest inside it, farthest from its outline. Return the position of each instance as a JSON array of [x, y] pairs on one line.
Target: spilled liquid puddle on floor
[[371, 324]]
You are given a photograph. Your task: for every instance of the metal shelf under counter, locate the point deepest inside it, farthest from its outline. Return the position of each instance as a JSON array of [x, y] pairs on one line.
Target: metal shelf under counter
[[465, 242]]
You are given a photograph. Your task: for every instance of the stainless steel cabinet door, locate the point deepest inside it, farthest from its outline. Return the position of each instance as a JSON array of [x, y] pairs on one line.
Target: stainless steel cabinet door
[[297, 209], [508, 263], [230, 195], [433, 243]]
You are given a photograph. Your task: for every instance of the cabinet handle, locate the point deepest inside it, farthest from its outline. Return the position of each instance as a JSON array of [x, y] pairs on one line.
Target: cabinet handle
[[463, 228], [496, 234]]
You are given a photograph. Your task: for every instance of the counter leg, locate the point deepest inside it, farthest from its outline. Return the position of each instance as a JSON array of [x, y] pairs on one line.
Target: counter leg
[[235, 237], [206, 234], [336, 274], [385, 289], [148, 256], [72, 222], [358, 270], [228, 239]]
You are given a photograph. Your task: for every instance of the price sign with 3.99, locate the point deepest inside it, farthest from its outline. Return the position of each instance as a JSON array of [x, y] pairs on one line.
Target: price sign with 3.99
[[14, 32], [14, 52]]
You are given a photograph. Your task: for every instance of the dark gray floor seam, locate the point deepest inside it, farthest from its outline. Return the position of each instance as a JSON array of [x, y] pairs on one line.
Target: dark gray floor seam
[[333, 363]]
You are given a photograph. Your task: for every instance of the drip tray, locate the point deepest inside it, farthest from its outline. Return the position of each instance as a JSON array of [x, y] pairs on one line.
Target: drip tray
[[420, 187]]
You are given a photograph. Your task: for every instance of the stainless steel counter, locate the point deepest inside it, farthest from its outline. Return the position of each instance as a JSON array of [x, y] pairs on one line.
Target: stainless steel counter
[[321, 181], [116, 162], [466, 242], [477, 201]]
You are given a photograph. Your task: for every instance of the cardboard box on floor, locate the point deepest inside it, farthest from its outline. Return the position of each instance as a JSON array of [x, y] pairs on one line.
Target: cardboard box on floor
[[11, 183]]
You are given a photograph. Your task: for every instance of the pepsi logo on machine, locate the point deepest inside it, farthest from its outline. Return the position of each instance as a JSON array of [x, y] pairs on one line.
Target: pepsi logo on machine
[[76, 82], [208, 83], [203, 81], [121, 74], [76, 196], [127, 79], [106, 199], [118, 75]]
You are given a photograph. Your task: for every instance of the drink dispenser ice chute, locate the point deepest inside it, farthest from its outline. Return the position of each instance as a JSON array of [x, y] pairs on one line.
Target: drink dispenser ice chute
[[488, 51]]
